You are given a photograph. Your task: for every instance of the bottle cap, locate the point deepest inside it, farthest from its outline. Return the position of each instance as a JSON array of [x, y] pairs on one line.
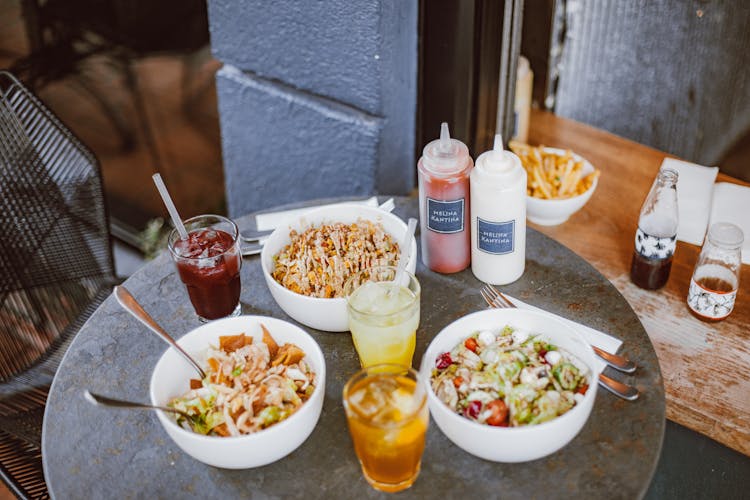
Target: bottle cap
[[445, 156], [523, 67], [498, 166]]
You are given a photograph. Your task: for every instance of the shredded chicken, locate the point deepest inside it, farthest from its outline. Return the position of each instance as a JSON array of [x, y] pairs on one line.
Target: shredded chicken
[[246, 389], [318, 261]]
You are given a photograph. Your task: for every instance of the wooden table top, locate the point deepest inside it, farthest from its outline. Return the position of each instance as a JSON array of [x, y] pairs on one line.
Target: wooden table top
[[706, 366]]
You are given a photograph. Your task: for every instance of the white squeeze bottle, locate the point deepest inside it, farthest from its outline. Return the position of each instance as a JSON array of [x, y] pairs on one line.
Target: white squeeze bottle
[[498, 216]]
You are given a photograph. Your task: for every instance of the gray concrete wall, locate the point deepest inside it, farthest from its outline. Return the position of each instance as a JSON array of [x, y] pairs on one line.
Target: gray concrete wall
[[316, 98], [673, 74]]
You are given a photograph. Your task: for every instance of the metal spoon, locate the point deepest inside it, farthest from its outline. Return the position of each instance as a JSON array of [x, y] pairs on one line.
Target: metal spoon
[[99, 400], [128, 302]]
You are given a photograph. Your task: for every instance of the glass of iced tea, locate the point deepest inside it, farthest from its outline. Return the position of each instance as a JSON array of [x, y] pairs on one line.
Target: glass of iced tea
[[383, 315], [209, 263], [716, 277], [386, 408]]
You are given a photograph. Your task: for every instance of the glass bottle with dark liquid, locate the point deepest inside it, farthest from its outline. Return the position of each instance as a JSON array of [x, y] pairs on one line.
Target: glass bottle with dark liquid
[[656, 236]]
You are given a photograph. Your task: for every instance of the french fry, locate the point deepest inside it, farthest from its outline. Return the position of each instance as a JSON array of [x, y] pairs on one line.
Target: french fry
[[543, 188], [552, 175]]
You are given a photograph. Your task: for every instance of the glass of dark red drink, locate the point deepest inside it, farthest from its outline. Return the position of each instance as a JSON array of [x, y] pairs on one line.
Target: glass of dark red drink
[[209, 263]]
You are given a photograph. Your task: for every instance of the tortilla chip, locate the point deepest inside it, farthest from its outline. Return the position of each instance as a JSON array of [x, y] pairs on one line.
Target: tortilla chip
[[221, 430], [213, 364], [231, 343], [273, 347], [289, 354]]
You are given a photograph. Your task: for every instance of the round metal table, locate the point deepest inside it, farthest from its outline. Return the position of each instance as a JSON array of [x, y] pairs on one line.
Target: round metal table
[[100, 453]]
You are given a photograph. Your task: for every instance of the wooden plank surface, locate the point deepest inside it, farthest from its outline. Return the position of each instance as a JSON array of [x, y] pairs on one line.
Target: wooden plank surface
[[706, 366]]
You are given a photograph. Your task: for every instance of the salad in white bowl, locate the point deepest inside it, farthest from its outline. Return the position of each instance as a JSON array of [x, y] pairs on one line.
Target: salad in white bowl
[[509, 385]]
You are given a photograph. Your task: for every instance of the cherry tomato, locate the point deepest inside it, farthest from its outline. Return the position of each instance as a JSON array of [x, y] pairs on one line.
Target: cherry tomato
[[472, 411], [471, 344], [458, 381], [582, 389], [499, 415], [443, 361]]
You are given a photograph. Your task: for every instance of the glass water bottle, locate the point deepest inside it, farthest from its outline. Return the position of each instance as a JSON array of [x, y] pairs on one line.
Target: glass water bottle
[[716, 278], [656, 236]]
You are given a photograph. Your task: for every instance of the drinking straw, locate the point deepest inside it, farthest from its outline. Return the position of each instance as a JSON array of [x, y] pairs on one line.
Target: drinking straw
[[170, 206], [405, 249]]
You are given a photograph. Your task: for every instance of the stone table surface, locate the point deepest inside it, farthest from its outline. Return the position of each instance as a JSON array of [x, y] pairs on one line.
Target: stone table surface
[[96, 452]]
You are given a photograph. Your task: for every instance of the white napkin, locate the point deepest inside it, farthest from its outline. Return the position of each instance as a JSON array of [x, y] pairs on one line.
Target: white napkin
[[694, 190], [272, 220], [732, 204], [594, 337]]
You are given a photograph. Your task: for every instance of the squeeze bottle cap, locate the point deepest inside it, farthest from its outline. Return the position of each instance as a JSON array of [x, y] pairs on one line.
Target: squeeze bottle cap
[[498, 165], [523, 67], [445, 156]]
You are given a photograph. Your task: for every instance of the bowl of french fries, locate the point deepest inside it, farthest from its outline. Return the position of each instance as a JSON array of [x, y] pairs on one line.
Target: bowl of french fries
[[559, 182]]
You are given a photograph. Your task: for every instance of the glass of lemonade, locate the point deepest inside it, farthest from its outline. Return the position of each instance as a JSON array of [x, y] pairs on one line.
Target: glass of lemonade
[[386, 408], [383, 315]]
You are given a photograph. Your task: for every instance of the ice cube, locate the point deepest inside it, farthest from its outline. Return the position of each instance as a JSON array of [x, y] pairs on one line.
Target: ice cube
[[381, 298], [216, 249], [368, 296], [188, 248], [367, 402], [382, 387], [403, 401], [209, 266], [384, 416]]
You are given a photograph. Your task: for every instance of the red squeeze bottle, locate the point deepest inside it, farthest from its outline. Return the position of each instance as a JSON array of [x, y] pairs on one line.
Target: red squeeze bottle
[[444, 170]]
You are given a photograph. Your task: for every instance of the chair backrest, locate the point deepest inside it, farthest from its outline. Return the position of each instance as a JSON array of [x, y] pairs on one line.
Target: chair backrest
[[55, 252]]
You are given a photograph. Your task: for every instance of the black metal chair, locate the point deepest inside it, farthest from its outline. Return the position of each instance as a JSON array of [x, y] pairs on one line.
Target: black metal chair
[[56, 267]]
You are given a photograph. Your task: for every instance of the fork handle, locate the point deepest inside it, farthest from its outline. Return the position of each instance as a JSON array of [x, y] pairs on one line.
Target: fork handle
[[624, 391], [248, 250], [495, 298], [617, 362]]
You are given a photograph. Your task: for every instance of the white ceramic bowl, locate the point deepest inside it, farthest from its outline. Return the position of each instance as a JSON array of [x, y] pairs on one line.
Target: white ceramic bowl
[[509, 444], [324, 314], [171, 378], [553, 212]]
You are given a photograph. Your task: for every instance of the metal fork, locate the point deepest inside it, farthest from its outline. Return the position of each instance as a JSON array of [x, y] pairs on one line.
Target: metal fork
[[257, 240], [497, 300], [253, 236], [617, 362]]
